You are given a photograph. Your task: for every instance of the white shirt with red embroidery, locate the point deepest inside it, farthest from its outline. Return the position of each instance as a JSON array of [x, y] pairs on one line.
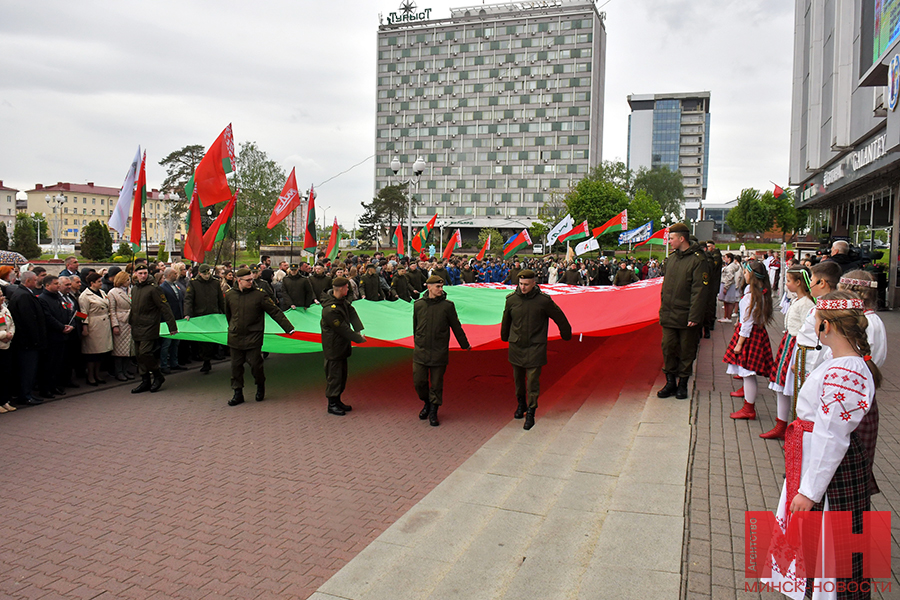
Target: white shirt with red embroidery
[[877, 338], [835, 397]]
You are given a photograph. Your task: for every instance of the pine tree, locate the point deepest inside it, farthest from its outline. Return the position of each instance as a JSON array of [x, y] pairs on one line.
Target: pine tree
[[24, 241], [96, 242]]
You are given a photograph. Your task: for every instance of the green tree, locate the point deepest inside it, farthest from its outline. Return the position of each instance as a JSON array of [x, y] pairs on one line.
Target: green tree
[[616, 173], [24, 237], [751, 214], [161, 253], [496, 247], [260, 180], [789, 219], [4, 237], [124, 249], [665, 187], [96, 242], [383, 212], [180, 166], [598, 201], [644, 208]]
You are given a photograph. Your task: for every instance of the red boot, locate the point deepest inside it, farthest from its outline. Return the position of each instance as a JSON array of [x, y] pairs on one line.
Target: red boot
[[748, 411], [738, 393], [777, 432]]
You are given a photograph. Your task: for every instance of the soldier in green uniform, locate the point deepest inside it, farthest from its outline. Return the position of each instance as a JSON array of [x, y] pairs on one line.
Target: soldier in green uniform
[[714, 256], [433, 318], [148, 309], [245, 310], [296, 289], [370, 285], [525, 322], [340, 326], [682, 309], [320, 282], [400, 284], [416, 277], [204, 297]]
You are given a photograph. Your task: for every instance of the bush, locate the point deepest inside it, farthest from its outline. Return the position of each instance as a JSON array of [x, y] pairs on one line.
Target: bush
[[161, 254], [124, 249], [24, 241], [96, 243]]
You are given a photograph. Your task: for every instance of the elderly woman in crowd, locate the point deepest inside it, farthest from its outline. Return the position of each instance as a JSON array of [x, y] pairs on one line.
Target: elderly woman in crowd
[[97, 334], [119, 308], [7, 331]]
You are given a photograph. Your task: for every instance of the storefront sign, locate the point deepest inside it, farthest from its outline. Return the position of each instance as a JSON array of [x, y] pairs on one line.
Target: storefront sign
[[408, 13], [869, 153], [894, 81]]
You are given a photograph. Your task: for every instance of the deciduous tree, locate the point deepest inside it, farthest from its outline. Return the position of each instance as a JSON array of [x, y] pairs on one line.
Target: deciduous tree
[[260, 180], [665, 187]]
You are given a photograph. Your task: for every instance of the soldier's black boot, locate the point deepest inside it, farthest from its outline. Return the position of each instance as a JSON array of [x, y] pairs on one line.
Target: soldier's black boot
[[682, 391], [706, 331], [344, 407], [143, 386], [432, 416], [260, 392], [669, 388], [158, 380], [238, 398], [206, 368], [334, 409], [423, 414], [520, 411], [529, 419]]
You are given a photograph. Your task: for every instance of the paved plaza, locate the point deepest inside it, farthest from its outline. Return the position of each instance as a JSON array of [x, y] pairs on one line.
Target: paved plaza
[[613, 494]]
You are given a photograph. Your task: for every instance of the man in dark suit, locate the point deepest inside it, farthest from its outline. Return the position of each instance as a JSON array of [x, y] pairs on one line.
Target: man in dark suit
[[58, 320], [31, 335], [175, 297]]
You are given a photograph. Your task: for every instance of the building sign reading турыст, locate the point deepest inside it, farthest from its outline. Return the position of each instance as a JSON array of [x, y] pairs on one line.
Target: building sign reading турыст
[[408, 13]]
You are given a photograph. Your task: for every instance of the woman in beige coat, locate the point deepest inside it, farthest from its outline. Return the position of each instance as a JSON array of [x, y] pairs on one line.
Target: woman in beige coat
[[119, 308], [97, 333], [7, 331]]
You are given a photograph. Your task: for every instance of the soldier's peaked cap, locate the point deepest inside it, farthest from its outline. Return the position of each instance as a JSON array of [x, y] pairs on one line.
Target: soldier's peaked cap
[[679, 228]]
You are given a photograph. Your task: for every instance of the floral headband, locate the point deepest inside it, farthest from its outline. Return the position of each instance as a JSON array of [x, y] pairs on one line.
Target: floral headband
[[851, 304], [859, 282]]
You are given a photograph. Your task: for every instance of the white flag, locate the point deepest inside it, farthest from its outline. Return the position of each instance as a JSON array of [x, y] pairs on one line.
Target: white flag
[[565, 225], [587, 246], [119, 219]]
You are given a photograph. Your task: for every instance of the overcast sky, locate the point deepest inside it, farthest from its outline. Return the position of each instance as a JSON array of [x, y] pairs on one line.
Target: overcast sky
[[83, 83]]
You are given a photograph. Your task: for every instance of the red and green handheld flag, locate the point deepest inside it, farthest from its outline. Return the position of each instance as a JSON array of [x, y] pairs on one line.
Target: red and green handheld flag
[[333, 242], [210, 176], [288, 200], [453, 243], [397, 240], [310, 240], [617, 223], [660, 238], [516, 243], [579, 232], [484, 249], [219, 228], [80, 315], [137, 205], [2, 320], [422, 236]]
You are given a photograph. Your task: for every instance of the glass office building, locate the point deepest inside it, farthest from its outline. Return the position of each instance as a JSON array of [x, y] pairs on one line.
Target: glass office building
[[504, 102], [671, 130]]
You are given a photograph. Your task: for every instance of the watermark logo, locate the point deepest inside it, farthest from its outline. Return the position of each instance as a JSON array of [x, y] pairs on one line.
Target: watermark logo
[[819, 544]]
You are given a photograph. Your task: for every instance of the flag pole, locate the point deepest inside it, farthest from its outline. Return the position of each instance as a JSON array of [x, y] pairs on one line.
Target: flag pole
[[234, 216], [293, 222]]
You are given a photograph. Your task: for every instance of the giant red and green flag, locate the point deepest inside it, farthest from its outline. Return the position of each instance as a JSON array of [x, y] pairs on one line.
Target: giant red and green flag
[[516, 243], [453, 243], [193, 245], [219, 228], [421, 237], [310, 239], [659, 238], [210, 176], [397, 240], [484, 249], [137, 206], [617, 223], [118, 220], [333, 241], [579, 232], [288, 200]]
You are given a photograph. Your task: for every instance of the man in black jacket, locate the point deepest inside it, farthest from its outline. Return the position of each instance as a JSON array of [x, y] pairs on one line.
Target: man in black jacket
[[340, 326], [297, 292], [168, 353], [433, 318], [31, 335], [58, 319], [204, 297]]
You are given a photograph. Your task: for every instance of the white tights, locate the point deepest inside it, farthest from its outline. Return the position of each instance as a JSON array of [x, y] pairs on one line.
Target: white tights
[[784, 407], [750, 388]]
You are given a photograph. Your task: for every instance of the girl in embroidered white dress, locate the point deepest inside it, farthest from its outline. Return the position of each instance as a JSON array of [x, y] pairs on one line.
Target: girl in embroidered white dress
[[830, 447]]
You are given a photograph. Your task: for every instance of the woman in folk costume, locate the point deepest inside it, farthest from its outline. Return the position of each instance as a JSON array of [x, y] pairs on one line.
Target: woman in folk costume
[[750, 353], [830, 447], [824, 278], [797, 281], [864, 285]]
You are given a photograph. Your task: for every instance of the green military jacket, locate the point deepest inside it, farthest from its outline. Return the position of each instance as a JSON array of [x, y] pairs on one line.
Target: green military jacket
[[433, 318], [715, 268], [370, 287], [624, 277], [320, 284], [443, 274], [400, 285], [148, 309], [245, 312], [340, 325], [467, 275], [416, 279], [526, 319], [297, 291], [203, 298], [685, 288]]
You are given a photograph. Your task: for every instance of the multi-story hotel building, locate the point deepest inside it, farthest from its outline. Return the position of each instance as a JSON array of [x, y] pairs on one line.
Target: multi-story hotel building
[[671, 130], [504, 102]]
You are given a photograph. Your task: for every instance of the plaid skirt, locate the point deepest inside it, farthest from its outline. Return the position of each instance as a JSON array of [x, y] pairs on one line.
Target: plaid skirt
[[782, 362], [756, 354]]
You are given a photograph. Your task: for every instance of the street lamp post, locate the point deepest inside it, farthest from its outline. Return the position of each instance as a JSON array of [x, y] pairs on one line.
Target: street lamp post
[[324, 220], [418, 168], [55, 203], [38, 219], [169, 220]]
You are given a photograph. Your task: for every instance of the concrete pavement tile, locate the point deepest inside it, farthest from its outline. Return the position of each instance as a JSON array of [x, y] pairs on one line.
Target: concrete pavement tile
[[412, 578], [458, 529], [377, 559], [559, 466], [411, 527], [571, 442], [652, 540], [613, 581], [657, 460], [587, 492], [643, 497], [534, 494], [491, 490], [482, 460]]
